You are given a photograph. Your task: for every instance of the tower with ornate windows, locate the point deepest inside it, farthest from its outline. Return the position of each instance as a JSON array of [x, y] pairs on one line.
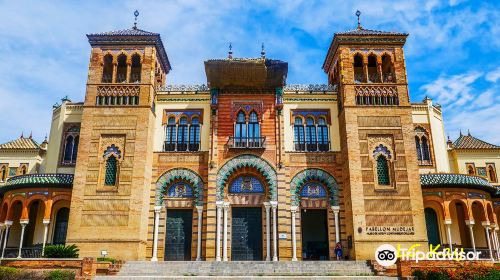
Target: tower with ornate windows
[[381, 183], [112, 185]]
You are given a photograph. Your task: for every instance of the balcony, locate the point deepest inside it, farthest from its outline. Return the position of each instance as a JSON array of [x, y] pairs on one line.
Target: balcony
[[246, 142], [180, 147], [312, 147]]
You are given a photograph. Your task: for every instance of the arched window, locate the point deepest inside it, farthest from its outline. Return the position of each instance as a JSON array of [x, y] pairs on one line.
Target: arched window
[[68, 149], [180, 189], [311, 142], [246, 184], [110, 173], [75, 148], [323, 140], [470, 170], [387, 69], [425, 149], [121, 70], [372, 69], [24, 170], [383, 171], [359, 73], [253, 131], [299, 135], [432, 224], [3, 173], [61, 226], [240, 131], [171, 138], [313, 190], [419, 149], [135, 69], [492, 174], [194, 134], [107, 69], [182, 134]]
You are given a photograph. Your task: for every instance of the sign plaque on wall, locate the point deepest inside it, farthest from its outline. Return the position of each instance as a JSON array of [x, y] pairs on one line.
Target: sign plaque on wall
[[390, 230]]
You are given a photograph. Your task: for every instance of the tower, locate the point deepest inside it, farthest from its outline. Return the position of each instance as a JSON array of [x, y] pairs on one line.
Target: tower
[[112, 186], [382, 187]]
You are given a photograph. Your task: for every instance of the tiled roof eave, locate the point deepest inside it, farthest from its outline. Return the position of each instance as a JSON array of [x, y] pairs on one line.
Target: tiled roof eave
[[450, 180], [38, 180]]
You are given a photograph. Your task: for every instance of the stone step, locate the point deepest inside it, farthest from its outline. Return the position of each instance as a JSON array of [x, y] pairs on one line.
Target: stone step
[[199, 270], [245, 277]]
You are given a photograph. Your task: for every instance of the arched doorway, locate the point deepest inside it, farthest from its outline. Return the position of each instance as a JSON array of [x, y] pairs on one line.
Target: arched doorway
[[315, 192], [431, 221], [459, 213], [61, 226], [180, 192]]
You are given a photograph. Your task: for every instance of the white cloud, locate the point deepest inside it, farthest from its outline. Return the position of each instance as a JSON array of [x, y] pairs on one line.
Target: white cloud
[[493, 76], [465, 106]]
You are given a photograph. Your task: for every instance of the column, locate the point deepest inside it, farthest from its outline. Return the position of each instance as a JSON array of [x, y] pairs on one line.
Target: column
[[157, 210], [336, 212], [224, 240], [470, 223], [274, 205], [200, 219], [496, 240], [486, 225], [379, 72], [23, 227], [447, 223], [129, 72], [365, 71], [46, 223], [1, 233], [294, 237], [219, 205], [7, 227], [267, 205], [115, 68]]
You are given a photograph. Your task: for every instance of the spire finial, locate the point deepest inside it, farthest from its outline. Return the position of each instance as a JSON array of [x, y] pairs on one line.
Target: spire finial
[[136, 14], [22, 134], [31, 134], [358, 13], [468, 132], [230, 52], [461, 132], [262, 52]]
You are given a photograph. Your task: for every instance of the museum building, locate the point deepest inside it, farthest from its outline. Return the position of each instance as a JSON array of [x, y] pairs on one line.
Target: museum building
[[247, 167]]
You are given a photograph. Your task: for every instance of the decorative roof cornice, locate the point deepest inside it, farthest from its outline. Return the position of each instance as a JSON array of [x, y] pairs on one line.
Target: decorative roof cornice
[[57, 180], [453, 180], [362, 36], [132, 36]]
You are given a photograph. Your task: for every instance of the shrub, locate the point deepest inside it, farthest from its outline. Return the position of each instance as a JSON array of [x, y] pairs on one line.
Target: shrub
[[464, 272], [10, 273], [60, 275], [106, 259], [61, 251]]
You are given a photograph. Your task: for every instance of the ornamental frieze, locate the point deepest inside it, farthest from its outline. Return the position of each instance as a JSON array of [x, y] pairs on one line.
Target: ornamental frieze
[[312, 158]]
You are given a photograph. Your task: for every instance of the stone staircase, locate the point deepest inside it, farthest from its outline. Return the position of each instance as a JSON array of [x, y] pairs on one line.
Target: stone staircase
[[246, 270]]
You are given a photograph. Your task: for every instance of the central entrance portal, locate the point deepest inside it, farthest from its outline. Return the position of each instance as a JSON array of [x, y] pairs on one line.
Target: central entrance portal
[[314, 234], [246, 234], [178, 237]]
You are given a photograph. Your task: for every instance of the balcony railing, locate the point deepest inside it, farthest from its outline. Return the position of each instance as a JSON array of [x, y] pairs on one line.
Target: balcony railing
[[424, 162], [180, 147], [246, 142], [312, 147]]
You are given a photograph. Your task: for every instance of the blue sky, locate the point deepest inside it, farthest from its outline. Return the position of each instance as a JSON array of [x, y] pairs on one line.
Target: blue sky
[[451, 54]]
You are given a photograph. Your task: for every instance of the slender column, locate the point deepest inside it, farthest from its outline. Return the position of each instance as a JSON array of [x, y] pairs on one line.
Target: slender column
[[129, 73], [267, 205], [294, 237], [336, 211], [470, 223], [496, 240], [219, 205], [365, 72], [157, 209], [379, 72], [200, 219], [46, 223], [448, 231], [224, 240], [2, 231], [115, 68], [274, 205], [7, 227], [486, 225], [23, 227]]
